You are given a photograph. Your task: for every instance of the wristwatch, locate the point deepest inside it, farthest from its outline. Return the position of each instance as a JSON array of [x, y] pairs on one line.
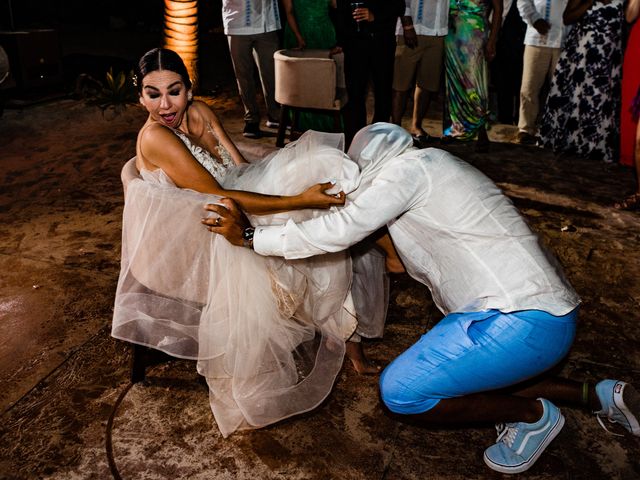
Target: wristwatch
[[247, 237]]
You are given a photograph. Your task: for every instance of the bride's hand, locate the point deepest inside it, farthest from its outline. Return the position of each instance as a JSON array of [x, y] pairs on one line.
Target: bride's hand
[[316, 196]]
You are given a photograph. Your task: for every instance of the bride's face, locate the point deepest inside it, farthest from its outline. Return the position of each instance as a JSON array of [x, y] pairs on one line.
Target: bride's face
[[164, 95]]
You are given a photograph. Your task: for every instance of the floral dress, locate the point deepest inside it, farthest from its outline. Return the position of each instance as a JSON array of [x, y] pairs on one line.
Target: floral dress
[[582, 113], [466, 79]]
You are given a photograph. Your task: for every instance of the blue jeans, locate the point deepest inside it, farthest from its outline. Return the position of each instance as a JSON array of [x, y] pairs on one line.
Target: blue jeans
[[475, 352]]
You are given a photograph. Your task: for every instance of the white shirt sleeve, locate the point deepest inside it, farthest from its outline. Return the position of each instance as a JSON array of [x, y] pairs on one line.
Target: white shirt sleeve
[[370, 207], [528, 11]]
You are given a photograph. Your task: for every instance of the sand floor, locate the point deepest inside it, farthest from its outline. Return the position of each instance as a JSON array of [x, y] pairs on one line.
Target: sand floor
[[61, 373]]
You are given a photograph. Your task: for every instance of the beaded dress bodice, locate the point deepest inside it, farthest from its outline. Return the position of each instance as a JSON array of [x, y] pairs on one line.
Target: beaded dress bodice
[[217, 168]]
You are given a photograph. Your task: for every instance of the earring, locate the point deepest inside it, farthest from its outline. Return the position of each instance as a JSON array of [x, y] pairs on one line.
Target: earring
[[189, 96]]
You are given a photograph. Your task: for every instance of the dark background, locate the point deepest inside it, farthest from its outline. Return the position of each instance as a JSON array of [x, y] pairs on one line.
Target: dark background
[[92, 36], [137, 15]]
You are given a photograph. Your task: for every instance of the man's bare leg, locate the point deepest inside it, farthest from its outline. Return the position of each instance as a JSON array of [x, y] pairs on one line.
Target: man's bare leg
[[398, 106], [421, 102], [482, 408], [502, 406]]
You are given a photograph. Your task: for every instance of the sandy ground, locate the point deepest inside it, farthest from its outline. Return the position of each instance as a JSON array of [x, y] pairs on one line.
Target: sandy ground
[[61, 373]]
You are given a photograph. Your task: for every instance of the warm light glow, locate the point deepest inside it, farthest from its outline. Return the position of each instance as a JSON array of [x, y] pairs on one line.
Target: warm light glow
[[181, 33]]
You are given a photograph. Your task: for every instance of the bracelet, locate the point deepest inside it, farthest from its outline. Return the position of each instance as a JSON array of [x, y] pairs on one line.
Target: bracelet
[[247, 237], [408, 27]]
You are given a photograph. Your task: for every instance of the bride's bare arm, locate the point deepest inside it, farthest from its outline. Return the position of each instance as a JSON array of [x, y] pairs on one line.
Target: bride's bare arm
[[163, 149]]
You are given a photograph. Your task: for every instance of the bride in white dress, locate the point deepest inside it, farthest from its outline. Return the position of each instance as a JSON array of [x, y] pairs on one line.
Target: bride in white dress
[[268, 334]]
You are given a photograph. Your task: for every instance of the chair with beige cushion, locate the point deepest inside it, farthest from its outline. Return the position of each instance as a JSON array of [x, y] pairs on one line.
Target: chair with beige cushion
[[309, 80]]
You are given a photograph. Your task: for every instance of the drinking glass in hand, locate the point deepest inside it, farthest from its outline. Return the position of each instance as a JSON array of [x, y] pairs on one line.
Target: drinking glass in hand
[[354, 6]]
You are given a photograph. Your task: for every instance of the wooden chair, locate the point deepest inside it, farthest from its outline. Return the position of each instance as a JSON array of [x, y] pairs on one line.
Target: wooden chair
[[308, 80]]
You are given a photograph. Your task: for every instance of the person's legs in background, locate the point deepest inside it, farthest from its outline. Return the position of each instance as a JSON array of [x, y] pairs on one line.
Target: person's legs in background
[[265, 46], [427, 84], [632, 202], [382, 59], [404, 67], [357, 71], [424, 63], [538, 62], [241, 50], [506, 68]]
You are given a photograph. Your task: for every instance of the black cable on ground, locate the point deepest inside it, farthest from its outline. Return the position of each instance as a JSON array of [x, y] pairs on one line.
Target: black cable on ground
[[109, 442]]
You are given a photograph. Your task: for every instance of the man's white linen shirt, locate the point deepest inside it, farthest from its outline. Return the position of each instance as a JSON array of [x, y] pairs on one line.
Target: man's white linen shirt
[[453, 228], [249, 17], [549, 10], [430, 17]]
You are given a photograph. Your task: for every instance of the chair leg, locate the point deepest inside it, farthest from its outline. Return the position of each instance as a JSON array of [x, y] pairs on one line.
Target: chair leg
[[138, 364], [282, 128], [295, 121], [142, 358], [337, 124]]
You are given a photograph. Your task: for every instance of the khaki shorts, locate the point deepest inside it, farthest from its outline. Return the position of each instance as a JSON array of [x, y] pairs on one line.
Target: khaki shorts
[[424, 62]]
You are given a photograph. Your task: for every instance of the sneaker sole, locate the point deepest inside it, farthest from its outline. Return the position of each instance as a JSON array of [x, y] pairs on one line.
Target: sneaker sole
[[551, 434], [630, 403]]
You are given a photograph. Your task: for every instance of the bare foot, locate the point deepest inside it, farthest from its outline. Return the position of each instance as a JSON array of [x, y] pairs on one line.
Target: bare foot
[[360, 362]]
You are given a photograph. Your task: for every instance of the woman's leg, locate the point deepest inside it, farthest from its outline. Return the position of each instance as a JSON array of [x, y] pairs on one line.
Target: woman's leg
[[632, 202]]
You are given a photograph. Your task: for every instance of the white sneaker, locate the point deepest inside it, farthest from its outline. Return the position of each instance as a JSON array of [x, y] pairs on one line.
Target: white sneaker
[[520, 444], [620, 404]]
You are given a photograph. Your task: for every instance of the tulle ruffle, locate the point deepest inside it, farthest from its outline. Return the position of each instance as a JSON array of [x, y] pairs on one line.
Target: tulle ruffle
[[267, 334]]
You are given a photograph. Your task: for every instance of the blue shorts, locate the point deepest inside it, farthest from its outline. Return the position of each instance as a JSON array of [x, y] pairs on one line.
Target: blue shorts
[[475, 352]]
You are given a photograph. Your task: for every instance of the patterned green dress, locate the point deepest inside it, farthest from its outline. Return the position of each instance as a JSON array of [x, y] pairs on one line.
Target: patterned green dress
[[466, 82], [318, 32]]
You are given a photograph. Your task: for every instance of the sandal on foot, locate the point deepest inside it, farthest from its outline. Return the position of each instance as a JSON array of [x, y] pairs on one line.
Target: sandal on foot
[[422, 140], [632, 202]]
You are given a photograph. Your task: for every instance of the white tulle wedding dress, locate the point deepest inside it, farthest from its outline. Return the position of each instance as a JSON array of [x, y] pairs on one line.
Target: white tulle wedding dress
[[267, 334]]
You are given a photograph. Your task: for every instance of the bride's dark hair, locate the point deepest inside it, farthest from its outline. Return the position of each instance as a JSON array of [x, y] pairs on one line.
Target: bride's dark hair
[[161, 59]]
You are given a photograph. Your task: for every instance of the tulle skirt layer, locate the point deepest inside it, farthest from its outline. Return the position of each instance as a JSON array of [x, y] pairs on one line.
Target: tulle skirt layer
[[268, 334]]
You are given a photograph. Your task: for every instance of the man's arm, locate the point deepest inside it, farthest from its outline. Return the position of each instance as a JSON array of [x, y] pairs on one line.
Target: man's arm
[[528, 12], [390, 195], [531, 16]]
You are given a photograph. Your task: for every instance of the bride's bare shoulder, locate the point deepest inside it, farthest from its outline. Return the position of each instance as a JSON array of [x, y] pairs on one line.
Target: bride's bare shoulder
[[202, 112], [154, 131]]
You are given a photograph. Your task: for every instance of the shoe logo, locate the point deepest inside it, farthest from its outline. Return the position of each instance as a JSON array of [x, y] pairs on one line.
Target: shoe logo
[[617, 388], [530, 434]]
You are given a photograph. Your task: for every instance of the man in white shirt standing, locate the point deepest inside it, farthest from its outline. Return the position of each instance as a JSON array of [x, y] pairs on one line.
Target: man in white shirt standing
[[251, 27], [420, 45], [510, 315], [543, 43]]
